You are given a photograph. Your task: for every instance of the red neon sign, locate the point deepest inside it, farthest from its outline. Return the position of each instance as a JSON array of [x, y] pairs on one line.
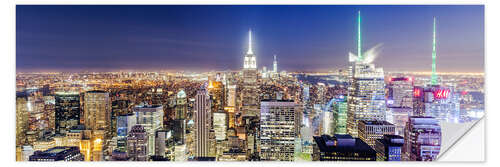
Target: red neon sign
[[441, 93], [417, 92]]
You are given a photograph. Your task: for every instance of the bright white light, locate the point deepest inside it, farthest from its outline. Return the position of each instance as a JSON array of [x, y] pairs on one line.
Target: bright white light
[[369, 56], [372, 53]]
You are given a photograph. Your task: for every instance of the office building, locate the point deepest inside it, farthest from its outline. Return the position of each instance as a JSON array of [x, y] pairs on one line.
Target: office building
[[21, 118], [278, 130], [422, 139], [370, 131], [137, 143], [366, 93], [220, 125], [342, 148], [400, 92], [202, 122], [389, 148], [150, 117], [97, 112], [250, 92]]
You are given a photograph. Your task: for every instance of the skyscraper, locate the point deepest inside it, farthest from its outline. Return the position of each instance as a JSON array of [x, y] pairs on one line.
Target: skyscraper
[[340, 115], [250, 92], [422, 139], [389, 148], [21, 118], [370, 131], [179, 124], [231, 105], [400, 92], [275, 68], [67, 111], [181, 105], [202, 123], [277, 130], [366, 93], [97, 111], [435, 100], [137, 143], [150, 117], [125, 123], [220, 125]]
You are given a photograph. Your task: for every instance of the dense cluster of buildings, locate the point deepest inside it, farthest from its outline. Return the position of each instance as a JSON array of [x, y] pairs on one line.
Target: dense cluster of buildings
[[363, 114]]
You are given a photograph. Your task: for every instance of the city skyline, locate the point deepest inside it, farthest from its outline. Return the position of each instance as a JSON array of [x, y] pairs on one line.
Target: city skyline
[[143, 42]]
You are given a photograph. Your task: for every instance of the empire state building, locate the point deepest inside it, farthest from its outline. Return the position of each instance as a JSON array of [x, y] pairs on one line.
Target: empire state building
[[250, 94]]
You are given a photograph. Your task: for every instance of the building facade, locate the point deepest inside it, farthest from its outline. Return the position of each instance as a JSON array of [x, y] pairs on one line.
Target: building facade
[[278, 130]]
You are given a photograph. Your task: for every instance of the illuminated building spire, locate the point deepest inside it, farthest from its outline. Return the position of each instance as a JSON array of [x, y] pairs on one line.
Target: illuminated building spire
[[360, 55], [250, 52], [433, 75], [275, 65]]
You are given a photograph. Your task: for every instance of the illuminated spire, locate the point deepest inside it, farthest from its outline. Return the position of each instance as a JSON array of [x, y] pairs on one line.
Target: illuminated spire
[[360, 55], [433, 75], [275, 64], [250, 52]]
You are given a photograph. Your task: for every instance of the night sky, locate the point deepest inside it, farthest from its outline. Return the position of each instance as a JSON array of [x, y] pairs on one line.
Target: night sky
[[111, 38]]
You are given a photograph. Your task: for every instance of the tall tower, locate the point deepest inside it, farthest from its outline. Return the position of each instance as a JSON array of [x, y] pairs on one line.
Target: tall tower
[[250, 92], [97, 111], [278, 125], [360, 55], [275, 65], [250, 61], [433, 75], [202, 122], [366, 92]]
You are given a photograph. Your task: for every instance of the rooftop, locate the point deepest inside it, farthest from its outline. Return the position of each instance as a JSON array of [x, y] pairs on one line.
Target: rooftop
[[358, 145]]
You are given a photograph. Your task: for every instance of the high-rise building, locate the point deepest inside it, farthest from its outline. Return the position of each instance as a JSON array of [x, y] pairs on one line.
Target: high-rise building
[[220, 125], [250, 91], [181, 105], [399, 116], [21, 118], [400, 92], [202, 122], [366, 93], [231, 105], [341, 148], [366, 99], [137, 143], [275, 65], [216, 91], [389, 148], [370, 131], [435, 100], [179, 131], [328, 124], [160, 138], [422, 139], [340, 115], [151, 119], [278, 130], [97, 112], [125, 123]]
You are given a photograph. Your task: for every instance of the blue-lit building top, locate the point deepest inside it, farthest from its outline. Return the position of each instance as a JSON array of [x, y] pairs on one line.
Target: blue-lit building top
[[58, 154], [389, 148]]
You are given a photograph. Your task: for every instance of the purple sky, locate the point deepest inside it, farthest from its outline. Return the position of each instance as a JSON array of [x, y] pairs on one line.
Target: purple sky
[[104, 38]]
